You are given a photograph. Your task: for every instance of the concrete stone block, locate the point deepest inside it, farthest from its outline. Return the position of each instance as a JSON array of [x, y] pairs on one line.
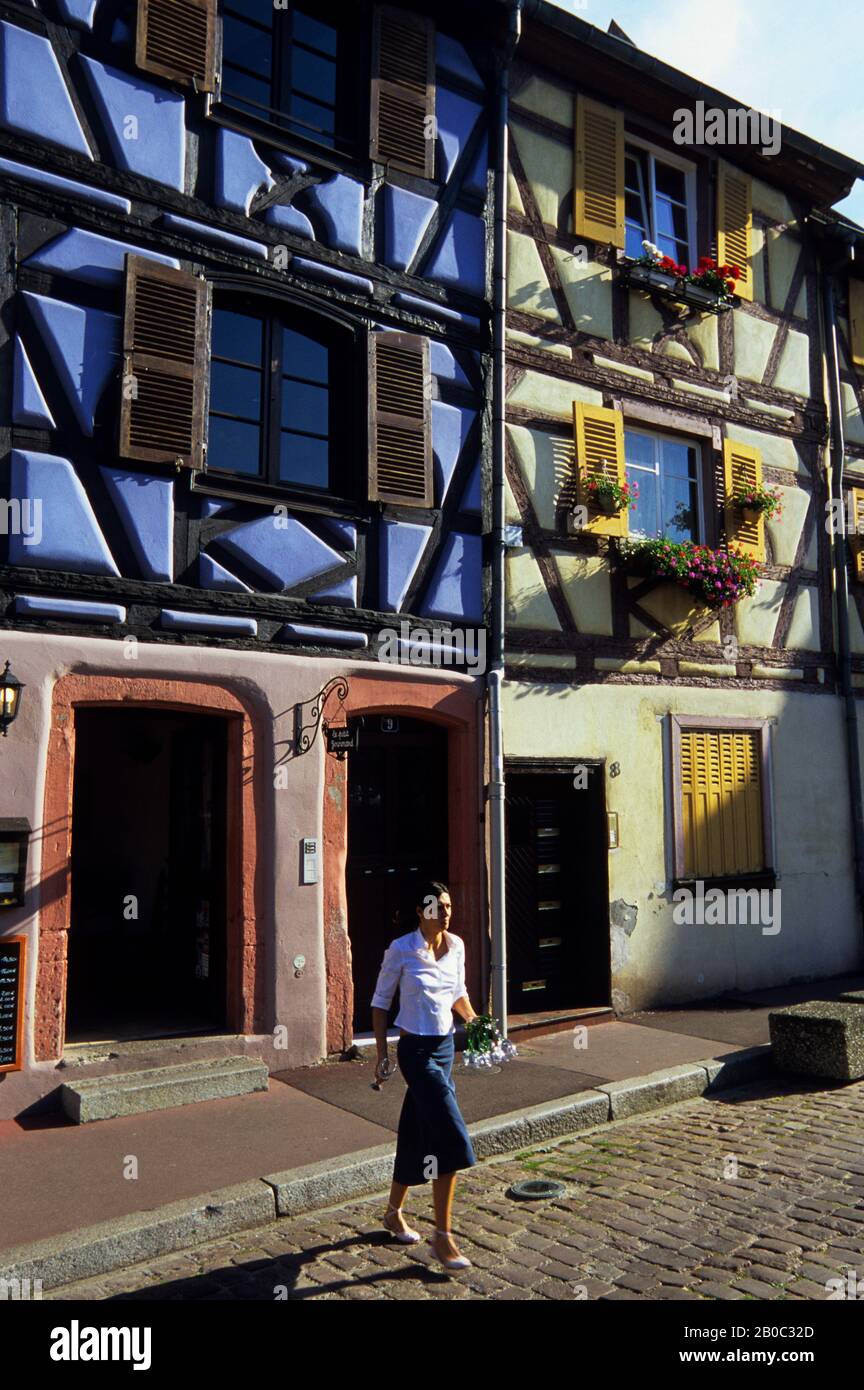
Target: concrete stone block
[[819, 1039]]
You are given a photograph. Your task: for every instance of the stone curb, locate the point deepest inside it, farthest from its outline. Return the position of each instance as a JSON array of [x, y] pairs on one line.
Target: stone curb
[[177, 1226]]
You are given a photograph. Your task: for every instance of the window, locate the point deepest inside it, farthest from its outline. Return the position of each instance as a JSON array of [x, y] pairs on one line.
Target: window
[[721, 797], [273, 383], [658, 203], [666, 471], [285, 65]]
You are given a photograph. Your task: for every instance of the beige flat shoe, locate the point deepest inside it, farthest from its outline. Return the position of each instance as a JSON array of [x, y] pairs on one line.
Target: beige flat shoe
[[458, 1262], [406, 1237]]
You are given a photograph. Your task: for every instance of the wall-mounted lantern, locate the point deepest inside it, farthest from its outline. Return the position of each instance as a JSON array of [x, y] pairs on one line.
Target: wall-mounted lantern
[[14, 839], [10, 698]]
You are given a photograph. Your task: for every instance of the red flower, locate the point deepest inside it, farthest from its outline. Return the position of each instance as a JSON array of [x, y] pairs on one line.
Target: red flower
[[736, 272]]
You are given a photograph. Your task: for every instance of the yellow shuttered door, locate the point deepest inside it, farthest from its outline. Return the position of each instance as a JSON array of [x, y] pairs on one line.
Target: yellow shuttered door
[[856, 535], [856, 322], [721, 798], [742, 468], [599, 440], [735, 226], [598, 178]]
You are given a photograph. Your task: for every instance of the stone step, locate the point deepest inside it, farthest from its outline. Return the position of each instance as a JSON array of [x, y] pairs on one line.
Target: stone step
[[159, 1088]]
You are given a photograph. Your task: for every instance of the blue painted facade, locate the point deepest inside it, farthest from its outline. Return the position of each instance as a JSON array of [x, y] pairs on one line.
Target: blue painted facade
[[99, 160]]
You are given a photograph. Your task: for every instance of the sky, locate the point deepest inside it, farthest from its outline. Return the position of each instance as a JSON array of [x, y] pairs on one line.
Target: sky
[[800, 61]]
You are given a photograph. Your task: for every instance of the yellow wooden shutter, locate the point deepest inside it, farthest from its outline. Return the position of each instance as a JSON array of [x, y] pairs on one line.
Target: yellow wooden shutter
[[856, 322], [599, 439], [721, 802], [855, 536], [735, 226], [598, 179], [742, 467]]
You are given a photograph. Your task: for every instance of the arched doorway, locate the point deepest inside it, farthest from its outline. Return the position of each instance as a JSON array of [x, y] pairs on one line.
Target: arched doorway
[[147, 954], [397, 835]]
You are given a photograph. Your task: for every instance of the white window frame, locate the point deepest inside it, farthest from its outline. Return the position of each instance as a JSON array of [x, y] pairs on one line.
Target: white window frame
[[688, 169], [691, 443]]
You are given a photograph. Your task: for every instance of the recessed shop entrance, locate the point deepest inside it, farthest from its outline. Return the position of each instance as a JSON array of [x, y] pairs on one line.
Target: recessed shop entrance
[[557, 890], [397, 837], [147, 938]]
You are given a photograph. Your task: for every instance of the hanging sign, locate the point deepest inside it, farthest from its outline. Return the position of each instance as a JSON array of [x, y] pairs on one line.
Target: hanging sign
[[341, 738]]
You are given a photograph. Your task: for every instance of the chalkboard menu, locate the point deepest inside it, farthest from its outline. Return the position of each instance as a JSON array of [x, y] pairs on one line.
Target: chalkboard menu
[[12, 962]]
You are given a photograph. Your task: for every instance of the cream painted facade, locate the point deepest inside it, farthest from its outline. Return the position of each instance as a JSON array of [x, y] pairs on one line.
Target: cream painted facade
[[598, 660]]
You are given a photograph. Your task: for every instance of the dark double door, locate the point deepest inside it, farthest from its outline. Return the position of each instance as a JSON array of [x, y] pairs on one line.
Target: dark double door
[[557, 893], [397, 837]]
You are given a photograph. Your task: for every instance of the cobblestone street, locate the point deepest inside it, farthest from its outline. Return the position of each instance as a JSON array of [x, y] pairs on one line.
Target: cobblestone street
[[656, 1212]]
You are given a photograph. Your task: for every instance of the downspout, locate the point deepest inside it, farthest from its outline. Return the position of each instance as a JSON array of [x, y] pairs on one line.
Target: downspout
[[841, 576], [495, 673]]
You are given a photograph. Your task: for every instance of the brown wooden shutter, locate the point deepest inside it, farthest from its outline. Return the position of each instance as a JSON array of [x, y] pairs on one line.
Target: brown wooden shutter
[[403, 91], [598, 181], [742, 468], [400, 420], [177, 39], [856, 322], [599, 440], [165, 364], [735, 226]]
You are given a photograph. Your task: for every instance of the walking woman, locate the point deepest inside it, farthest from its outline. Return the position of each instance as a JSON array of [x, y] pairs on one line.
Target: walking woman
[[428, 966]]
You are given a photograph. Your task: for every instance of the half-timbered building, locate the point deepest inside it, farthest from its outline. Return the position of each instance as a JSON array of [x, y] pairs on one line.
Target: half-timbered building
[[245, 337], [659, 746]]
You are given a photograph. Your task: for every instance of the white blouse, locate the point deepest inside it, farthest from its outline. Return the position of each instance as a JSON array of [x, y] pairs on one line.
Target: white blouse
[[428, 988]]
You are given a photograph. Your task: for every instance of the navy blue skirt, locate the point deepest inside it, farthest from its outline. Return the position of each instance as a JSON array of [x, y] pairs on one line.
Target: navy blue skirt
[[432, 1139]]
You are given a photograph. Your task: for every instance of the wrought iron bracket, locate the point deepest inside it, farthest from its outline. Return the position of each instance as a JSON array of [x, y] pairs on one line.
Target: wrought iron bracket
[[308, 715]]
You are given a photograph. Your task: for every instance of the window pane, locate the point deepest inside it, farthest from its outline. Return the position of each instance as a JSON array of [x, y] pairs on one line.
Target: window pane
[[642, 514], [237, 336], [679, 509], [636, 234], [313, 32], [259, 10], [233, 445], [671, 220], [246, 90], [313, 75], [248, 46], [318, 121], [677, 250], [671, 182], [679, 460], [639, 448], [304, 357], [305, 407], [303, 460], [235, 390]]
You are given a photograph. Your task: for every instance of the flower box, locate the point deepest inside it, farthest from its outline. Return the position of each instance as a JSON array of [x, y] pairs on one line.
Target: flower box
[[657, 279], [716, 578]]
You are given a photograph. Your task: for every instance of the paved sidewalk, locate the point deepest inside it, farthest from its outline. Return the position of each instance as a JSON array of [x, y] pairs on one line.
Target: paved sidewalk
[[758, 1194], [57, 1178]]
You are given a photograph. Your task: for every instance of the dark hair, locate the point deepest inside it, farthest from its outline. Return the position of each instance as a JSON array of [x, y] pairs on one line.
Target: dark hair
[[406, 915]]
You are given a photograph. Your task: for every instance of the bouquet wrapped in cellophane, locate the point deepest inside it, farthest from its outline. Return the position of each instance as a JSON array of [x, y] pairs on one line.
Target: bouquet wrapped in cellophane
[[485, 1047]]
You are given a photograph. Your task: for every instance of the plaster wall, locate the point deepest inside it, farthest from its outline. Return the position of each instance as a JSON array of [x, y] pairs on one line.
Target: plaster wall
[[655, 961]]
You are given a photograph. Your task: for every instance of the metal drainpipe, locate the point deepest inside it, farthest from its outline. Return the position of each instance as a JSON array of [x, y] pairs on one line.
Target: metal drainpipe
[[495, 674], [841, 581]]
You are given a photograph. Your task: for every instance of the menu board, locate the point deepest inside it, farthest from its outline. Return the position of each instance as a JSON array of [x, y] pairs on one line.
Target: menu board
[[12, 975]]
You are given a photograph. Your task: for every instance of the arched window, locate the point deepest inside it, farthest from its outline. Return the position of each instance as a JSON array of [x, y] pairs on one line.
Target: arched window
[[281, 396]]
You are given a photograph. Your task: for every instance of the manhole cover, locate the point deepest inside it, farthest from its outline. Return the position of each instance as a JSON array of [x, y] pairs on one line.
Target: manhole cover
[[535, 1189]]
